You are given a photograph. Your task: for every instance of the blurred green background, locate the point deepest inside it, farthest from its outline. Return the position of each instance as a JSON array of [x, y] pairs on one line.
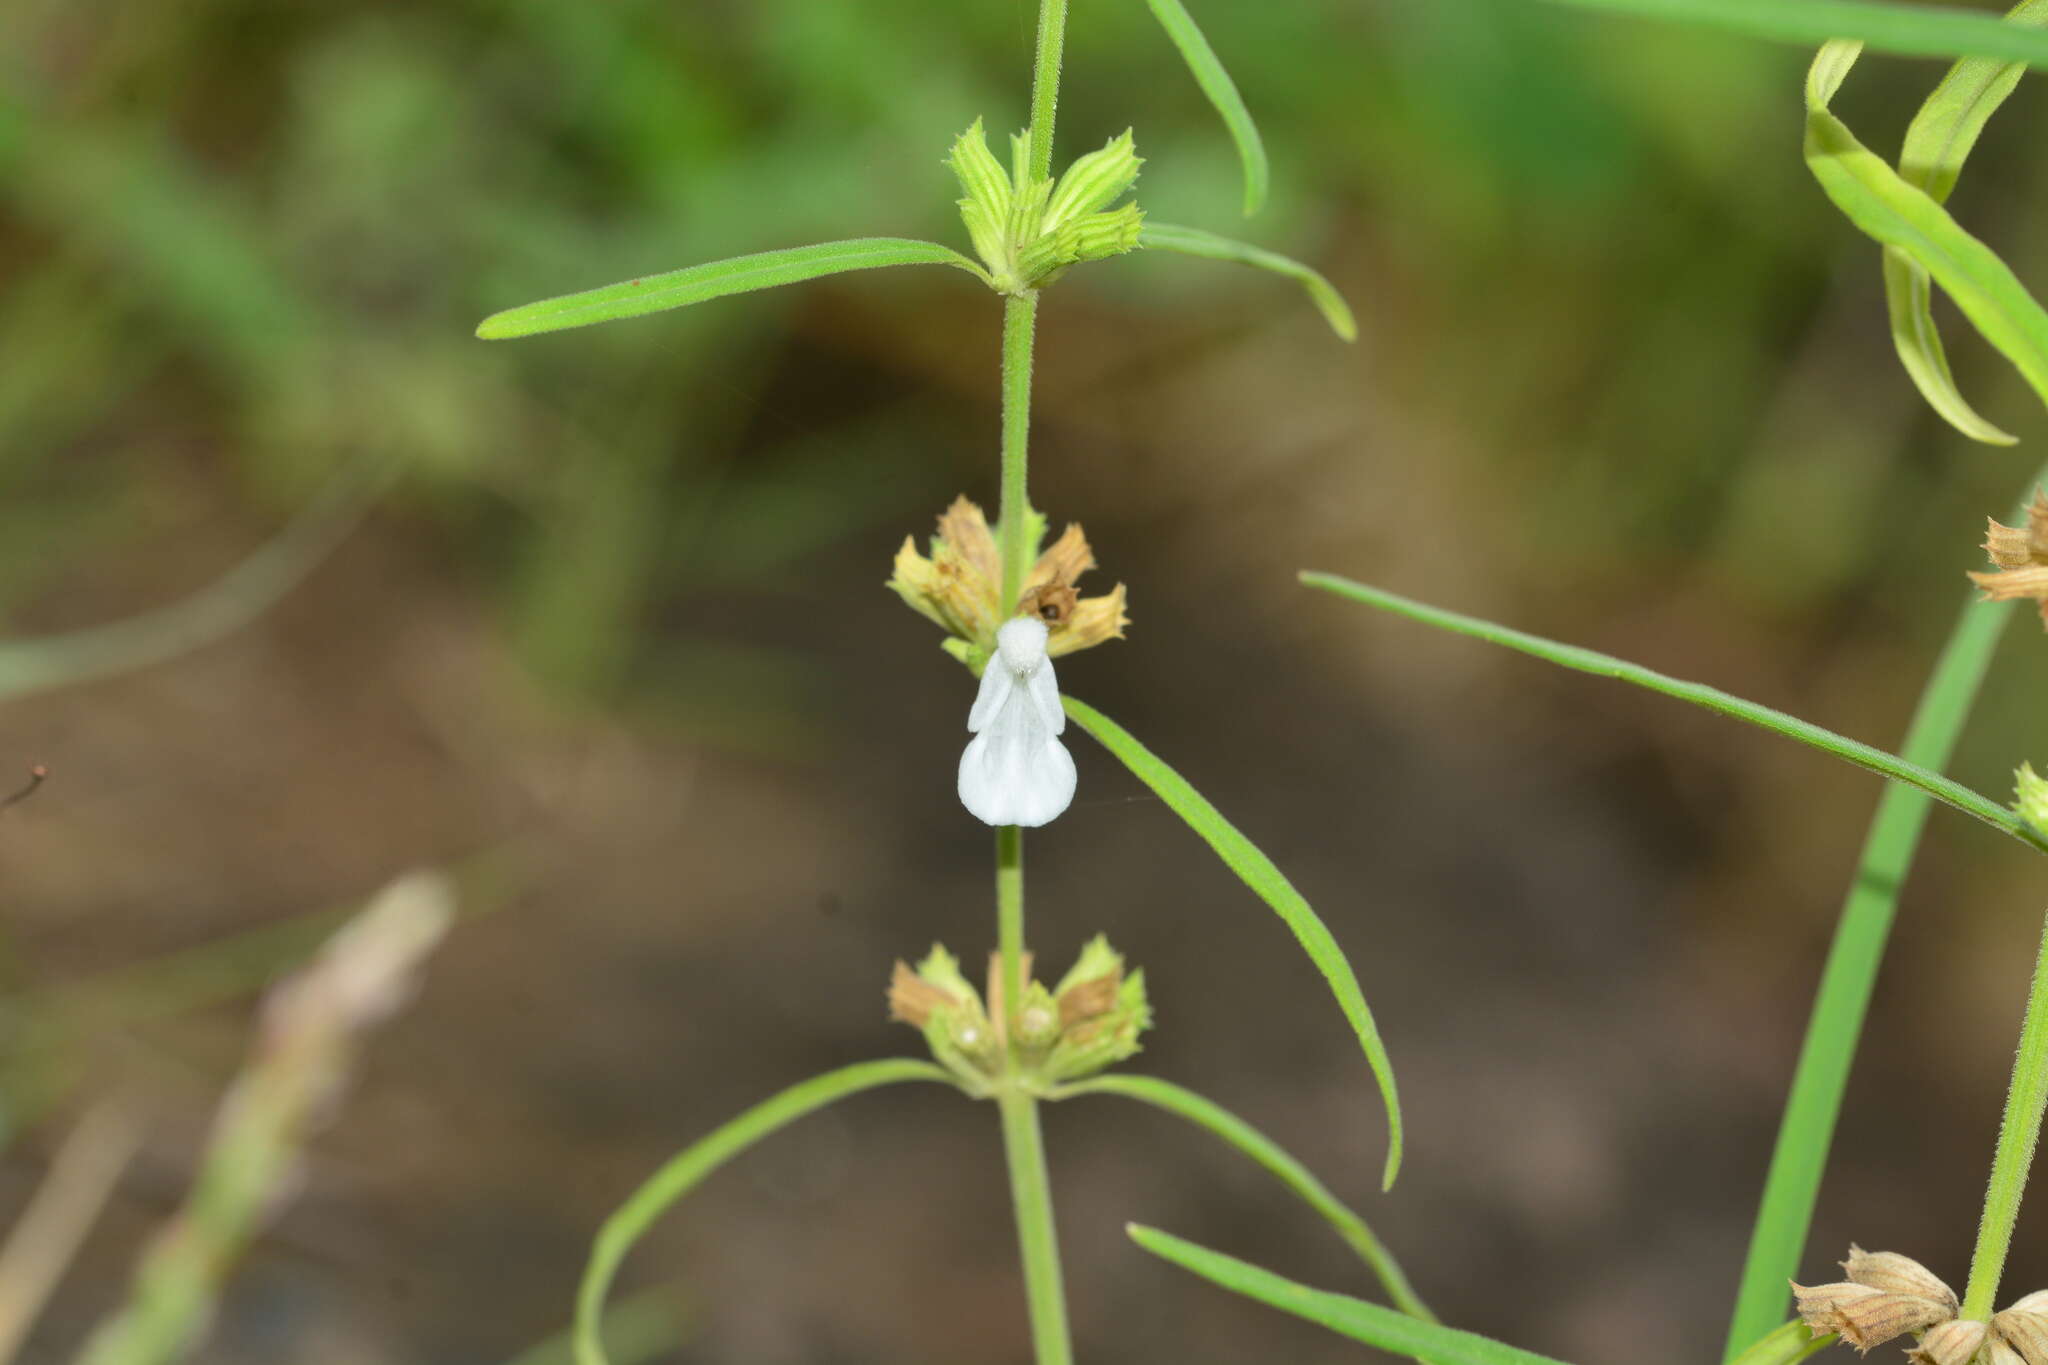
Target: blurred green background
[[615, 649]]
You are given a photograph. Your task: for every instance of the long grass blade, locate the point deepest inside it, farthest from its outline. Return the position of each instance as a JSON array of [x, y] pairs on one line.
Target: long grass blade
[[1908, 30], [1222, 92], [1257, 871], [1713, 699], [1807, 1130], [1196, 242], [688, 1168], [1206, 1113], [715, 280], [1361, 1321]]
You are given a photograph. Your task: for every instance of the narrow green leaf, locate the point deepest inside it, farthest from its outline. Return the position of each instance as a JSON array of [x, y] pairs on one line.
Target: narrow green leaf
[[699, 283], [37, 664], [1713, 699], [1354, 1318], [1937, 143], [1789, 1344], [1909, 220], [1195, 242], [687, 1169], [1222, 92], [1206, 1113], [1909, 30], [1807, 1129], [1256, 870]]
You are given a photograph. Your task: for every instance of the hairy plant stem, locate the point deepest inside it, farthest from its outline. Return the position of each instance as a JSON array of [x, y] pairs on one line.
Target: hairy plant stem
[[1023, 1143], [1020, 322], [1037, 1241], [2017, 1136]]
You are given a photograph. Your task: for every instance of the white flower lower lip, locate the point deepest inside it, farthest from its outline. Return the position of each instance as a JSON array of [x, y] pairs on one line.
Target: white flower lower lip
[[1015, 770]]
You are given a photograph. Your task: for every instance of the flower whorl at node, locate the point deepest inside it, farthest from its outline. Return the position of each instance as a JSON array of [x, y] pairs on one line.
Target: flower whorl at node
[[1028, 230], [1091, 1020], [2030, 798], [2021, 554], [961, 587], [1888, 1295]]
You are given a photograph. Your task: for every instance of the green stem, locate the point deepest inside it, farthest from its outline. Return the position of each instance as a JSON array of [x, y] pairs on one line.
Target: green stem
[[1045, 83], [1020, 320], [1023, 1144], [2017, 1137], [1010, 919], [1806, 1132], [1037, 1240]]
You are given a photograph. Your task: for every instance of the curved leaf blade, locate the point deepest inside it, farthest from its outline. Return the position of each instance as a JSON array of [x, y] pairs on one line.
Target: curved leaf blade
[[715, 280], [1195, 242], [1257, 871], [1208, 72], [1276, 1160], [1907, 219], [1937, 143], [1908, 30], [1712, 698], [1361, 1321], [687, 1169]]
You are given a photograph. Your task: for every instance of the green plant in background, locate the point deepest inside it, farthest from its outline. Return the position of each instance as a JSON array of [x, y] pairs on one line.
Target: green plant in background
[[1009, 605]]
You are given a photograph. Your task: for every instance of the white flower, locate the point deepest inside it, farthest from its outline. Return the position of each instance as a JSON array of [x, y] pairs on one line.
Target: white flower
[[1014, 771]]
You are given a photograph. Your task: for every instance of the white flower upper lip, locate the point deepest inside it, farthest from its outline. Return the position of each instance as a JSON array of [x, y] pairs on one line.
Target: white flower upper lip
[[1015, 771]]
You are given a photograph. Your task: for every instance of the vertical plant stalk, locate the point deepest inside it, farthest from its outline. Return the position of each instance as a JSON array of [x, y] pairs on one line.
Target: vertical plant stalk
[[1807, 1130], [1023, 1142], [2017, 1137], [1037, 1240], [1020, 323]]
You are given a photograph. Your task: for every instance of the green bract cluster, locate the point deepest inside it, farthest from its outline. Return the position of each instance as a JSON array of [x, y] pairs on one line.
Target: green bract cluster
[[1026, 229], [1091, 1020]]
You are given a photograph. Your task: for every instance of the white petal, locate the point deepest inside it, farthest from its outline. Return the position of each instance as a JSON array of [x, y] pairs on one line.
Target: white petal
[[1045, 695], [997, 682], [1005, 783], [1014, 771]]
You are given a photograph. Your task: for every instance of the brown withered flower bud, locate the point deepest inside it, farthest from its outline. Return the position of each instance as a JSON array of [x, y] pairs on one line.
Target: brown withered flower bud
[[1886, 1296], [2023, 1329], [959, 586], [1955, 1342], [2021, 554], [1896, 1274]]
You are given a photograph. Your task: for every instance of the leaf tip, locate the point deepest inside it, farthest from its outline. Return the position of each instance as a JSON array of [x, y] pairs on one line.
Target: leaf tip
[[494, 328]]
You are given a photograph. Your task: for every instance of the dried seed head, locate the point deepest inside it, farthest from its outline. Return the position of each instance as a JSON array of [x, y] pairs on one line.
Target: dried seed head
[[2024, 1326], [1954, 1342], [1998, 1351], [1865, 1316], [2021, 554], [1896, 1274]]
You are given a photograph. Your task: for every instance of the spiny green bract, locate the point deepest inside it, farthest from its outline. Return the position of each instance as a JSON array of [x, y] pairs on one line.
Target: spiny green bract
[[1028, 229]]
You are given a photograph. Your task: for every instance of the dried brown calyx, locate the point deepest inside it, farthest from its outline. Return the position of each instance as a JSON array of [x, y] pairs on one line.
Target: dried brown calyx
[[959, 586], [2021, 554], [1887, 1295]]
